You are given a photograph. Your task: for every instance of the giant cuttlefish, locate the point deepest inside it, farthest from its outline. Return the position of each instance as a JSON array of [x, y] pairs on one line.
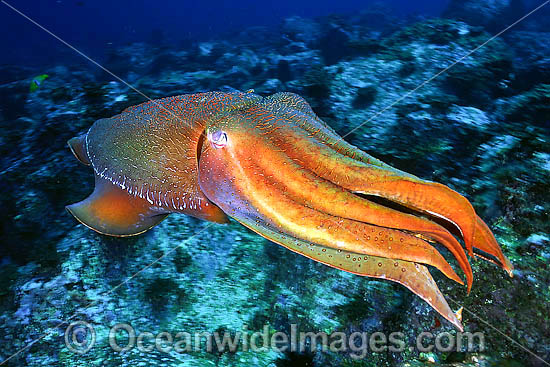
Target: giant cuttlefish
[[274, 166]]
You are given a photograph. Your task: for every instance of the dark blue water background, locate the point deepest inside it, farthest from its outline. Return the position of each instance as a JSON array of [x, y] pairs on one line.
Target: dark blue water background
[[94, 26]]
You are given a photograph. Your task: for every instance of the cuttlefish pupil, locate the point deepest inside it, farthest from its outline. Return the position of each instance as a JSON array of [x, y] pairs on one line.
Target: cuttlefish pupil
[[218, 139], [284, 174]]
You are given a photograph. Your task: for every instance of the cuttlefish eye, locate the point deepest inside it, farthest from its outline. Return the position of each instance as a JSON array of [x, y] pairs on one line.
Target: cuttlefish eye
[[218, 139]]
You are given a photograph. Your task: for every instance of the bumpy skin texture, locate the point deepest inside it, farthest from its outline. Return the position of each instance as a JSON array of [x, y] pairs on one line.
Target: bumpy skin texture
[[274, 166]]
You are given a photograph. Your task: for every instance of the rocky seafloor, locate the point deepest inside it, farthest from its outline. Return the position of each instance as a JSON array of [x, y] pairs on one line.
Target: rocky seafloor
[[482, 127]]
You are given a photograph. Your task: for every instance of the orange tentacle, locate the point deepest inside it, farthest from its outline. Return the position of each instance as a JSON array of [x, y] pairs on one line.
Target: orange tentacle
[[322, 195], [414, 276], [428, 197], [486, 242], [248, 190]]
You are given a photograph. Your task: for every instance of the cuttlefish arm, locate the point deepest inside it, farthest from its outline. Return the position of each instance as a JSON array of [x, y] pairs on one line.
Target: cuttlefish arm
[[249, 196], [279, 170], [317, 139], [415, 277]]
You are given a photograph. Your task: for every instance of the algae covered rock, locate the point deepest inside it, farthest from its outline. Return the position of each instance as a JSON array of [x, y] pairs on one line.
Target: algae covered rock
[[493, 15], [529, 106]]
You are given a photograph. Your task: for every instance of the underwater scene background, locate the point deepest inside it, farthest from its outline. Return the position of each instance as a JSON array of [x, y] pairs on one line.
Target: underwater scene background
[[481, 126]]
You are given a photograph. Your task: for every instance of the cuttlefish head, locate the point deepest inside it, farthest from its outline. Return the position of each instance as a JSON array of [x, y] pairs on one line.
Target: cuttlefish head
[[223, 162]]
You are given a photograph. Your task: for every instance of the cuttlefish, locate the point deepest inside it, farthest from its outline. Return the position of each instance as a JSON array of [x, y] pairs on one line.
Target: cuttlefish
[[271, 164]]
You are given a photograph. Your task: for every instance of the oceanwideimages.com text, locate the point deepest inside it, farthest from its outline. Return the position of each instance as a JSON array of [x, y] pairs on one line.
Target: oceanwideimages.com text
[[80, 337]]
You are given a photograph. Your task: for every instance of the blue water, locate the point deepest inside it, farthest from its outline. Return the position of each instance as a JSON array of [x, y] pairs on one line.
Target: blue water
[[96, 26]]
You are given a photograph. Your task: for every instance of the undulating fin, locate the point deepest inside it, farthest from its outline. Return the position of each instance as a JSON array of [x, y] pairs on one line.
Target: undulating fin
[[415, 277], [152, 149], [78, 148], [112, 211]]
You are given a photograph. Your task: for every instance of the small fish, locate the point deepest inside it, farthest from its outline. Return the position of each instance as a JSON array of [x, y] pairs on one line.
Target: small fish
[[37, 82]]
